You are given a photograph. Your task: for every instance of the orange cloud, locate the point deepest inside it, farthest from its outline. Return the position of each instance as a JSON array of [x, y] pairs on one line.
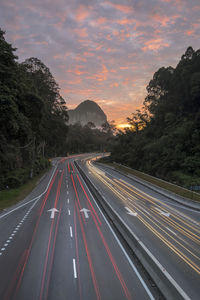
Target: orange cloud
[[61, 55], [75, 81], [115, 84], [80, 58], [155, 44], [82, 13], [99, 47], [102, 76], [62, 17], [119, 111], [110, 50], [88, 54], [125, 21], [16, 37], [101, 20], [126, 81], [122, 8], [81, 32], [189, 32], [37, 43], [164, 21], [77, 70], [84, 92]]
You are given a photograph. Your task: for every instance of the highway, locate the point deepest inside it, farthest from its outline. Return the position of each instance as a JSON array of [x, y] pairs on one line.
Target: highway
[[58, 244], [169, 230]]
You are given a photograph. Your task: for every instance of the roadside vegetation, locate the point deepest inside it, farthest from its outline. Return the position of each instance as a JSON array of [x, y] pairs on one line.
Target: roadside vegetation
[[155, 181], [10, 197], [33, 122], [164, 140]]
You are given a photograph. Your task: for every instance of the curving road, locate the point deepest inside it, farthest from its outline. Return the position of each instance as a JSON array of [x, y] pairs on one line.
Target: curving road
[[169, 231], [57, 244]]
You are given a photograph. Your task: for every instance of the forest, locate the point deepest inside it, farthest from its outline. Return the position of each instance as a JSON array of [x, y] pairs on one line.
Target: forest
[[33, 120], [164, 140]]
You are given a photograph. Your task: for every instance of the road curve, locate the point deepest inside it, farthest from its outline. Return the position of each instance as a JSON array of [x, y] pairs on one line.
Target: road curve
[[57, 244]]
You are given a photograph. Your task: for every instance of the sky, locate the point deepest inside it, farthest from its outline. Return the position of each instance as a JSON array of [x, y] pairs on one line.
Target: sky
[[106, 51]]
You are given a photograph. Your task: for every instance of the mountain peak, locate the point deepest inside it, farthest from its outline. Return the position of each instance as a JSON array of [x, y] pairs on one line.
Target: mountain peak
[[87, 111]]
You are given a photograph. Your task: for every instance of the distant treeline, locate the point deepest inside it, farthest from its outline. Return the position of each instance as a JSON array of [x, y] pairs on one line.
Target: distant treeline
[[164, 140], [33, 118]]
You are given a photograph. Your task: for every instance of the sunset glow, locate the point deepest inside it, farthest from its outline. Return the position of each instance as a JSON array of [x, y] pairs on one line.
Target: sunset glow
[[123, 126], [105, 51]]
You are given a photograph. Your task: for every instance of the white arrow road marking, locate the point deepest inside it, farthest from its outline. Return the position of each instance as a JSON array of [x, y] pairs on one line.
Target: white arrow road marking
[[166, 214], [53, 211], [85, 211], [130, 212]]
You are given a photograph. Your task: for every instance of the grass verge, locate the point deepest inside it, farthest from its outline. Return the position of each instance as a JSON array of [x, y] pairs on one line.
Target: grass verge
[[156, 181], [12, 196]]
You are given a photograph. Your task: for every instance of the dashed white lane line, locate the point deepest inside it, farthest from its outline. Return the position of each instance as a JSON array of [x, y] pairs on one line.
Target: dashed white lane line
[[10, 238], [67, 192], [74, 267], [69, 212], [71, 233], [68, 200], [171, 231]]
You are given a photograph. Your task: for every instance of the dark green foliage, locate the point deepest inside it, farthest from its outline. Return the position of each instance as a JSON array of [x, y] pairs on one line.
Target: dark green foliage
[[33, 117], [90, 139], [165, 138]]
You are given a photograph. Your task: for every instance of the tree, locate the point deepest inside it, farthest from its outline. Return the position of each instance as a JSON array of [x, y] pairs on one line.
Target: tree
[[164, 138]]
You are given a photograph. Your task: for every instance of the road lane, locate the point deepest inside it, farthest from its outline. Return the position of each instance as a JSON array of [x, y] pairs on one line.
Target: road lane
[[65, 253], [167, 232]]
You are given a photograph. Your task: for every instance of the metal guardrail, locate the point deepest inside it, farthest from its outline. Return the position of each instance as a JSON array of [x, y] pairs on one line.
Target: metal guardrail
[[163, 280]]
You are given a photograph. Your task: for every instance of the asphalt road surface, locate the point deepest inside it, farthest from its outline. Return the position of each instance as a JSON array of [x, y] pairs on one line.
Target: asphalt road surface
[[57, 244], [169, 230]]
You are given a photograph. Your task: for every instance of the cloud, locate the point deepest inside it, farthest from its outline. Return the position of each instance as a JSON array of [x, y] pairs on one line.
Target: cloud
[[81, 32], [104, 50], [82, 13], [122, 8], [155, 45]]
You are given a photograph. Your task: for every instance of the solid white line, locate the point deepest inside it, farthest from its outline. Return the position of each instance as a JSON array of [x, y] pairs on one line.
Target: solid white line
[[34, 199], [171, 231], [170, 278], [74, 266], [71, 234], [122, 248], [69, 212]]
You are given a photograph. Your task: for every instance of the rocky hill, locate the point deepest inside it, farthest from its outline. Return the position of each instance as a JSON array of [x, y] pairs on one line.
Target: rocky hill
[[87, 111]]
